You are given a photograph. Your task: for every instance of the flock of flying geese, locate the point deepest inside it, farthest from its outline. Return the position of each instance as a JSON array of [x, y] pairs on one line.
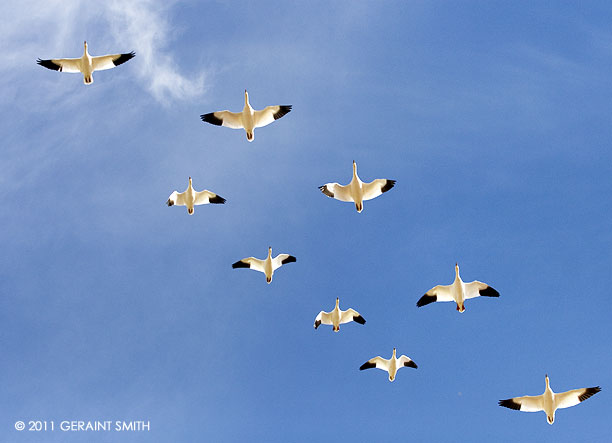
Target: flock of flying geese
[[356, 192]]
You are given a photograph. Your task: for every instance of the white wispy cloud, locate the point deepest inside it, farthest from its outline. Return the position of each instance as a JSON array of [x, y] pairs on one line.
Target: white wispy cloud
[[141, 25], [34, 99]]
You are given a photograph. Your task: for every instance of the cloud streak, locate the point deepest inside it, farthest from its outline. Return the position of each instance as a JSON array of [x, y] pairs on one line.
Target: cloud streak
[[141, 25]]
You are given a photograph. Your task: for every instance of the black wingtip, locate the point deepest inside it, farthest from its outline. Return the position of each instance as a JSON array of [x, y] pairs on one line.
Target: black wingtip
[[124, 58], [488, 292], [170, 202], [284, 109], [325, 190], [290, 259], [210, 118], [359, 319], [49, 64], [411, 364], [510, 403], [217, 199], [317, 324], [589, 393], [367, 365], [426, 299], [240, 264], [388, 185]]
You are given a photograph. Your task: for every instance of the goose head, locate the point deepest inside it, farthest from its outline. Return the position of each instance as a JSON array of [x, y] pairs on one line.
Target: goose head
[[85, 44], [246, 98], [190, 182], [337, 301], [269, 251]]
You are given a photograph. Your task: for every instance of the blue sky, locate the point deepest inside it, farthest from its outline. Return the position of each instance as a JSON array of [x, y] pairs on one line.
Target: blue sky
[[494, 118]]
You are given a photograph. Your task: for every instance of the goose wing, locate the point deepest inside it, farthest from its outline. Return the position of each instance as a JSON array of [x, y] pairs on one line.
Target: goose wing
[[575, 396], [250, 262], [176, 198], [407, 362], [526, 403], [376, 362], [477, 288], [205, 196], [437, 293], [104, 62], [269, 114], [62, 64], [224, 118], [337, 191], [282, 259], [376, 187], [351, 315], [323, 318]]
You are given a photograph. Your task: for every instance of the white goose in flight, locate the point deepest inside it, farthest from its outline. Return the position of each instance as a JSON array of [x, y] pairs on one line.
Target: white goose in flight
[[86, 64], [457, 292], [191, 198], [391, 366], [549, 401], [357, 191], [248, 119], [267, 266], [337, 317]]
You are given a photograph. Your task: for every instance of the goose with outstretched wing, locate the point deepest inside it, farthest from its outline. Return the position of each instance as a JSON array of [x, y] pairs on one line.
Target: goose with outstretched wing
[[86, 64], [248, 119]]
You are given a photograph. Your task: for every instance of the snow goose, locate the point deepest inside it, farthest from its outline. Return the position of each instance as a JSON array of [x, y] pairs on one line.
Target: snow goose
[[457, 292], [267, 266], [549, 401], [338, 317], [391, 366], [191, 198], [248, 119], [357, 191], [86, 64]]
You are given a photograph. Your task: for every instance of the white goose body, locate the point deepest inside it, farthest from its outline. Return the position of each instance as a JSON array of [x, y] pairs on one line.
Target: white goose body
[[458, 292], [357, 191], [248, 119], [549, 401], [86, 64], [391, 366], [337, 317], [267, 266], [190, 198]]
